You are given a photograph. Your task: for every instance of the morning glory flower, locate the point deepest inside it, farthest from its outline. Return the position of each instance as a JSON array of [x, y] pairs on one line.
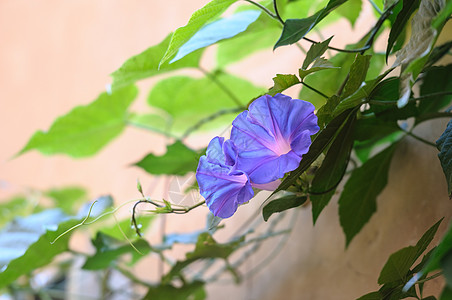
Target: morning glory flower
[[222, 185], [272, 136]]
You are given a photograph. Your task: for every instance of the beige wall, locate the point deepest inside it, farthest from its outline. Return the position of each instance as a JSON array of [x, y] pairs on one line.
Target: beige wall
[[58, 54]]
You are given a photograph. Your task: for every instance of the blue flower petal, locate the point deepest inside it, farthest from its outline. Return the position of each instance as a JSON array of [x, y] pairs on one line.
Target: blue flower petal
[[223, 187], [272, 136]]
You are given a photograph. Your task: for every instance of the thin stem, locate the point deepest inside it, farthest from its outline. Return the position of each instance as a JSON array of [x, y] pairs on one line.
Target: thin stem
[[338, 49], [223, 87], [375, 6], [275, 6], [314, 89], [429, 278], [418, 138], [208, 119], [268, 12]]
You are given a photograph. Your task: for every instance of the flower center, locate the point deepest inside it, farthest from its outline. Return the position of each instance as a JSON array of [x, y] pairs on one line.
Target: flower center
[[281, 145]]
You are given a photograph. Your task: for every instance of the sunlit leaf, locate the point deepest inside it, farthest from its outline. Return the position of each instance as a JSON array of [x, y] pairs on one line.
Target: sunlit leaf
[[200, 17], [357, 202], [217, 31], [146, 64], [318, 65], [283, 82], [189, 100], [350, 10], [315, 52], [85, 129], [68, 199]]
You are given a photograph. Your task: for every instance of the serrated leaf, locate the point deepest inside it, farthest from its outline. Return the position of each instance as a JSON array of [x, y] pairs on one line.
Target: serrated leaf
[[193, 291], [282, 82], [400, 262], [200, 17], [178, 160], [146, 64], [296, 29], [408, 8], [282, 204], [109, 250], [207, 97], [323, 139], [358, 72], [206, 247], [85, 129], [26, 243], [333, 168], [444, 145], [68, 199], [216, 31], [315, 51], [318, 65], [357, 202]]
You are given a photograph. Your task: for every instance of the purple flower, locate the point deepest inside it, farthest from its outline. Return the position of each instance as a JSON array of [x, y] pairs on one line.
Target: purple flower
[[272, 136], [222, 185]]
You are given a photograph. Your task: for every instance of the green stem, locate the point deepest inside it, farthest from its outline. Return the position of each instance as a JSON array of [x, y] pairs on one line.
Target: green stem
[[375, 6], [418, 138], [314, 89], [267, 11], [224, 88], [429, 278], [389, 103], [278, 16]]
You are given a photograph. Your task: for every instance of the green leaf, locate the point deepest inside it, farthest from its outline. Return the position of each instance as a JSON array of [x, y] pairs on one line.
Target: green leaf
[[206, 98], [333, 168], [357, 202], [438, 53], [315, 51], [444, 145], [144, 222], [207, 13], [68, 199], [206, 247], [282, 82], [282, 204], [146, 64], [318, 65], [16, 206], [296, 29], [436, 79], [151, 121], [350, 10], [85, 129], [323, 139], [399, 263], [444, 247], [26, 243], [109, 250], [178, 160], [216, 31], [446, 266], [409, 6], [192, 291], [371, 296], [358, 71], [441, 18], [446, 294], [325, 113], [259, 35]]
